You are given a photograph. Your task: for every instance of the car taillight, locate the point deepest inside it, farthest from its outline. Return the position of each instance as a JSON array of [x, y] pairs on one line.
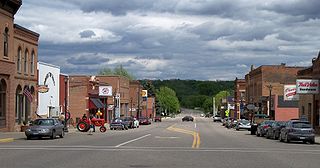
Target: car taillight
[[265, 126]]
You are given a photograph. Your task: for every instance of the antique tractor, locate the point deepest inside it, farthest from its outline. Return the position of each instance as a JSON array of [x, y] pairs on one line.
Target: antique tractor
[[84, 124]]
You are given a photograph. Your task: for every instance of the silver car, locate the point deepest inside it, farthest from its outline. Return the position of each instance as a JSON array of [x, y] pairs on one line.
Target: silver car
[[47, 127], [243, 124]]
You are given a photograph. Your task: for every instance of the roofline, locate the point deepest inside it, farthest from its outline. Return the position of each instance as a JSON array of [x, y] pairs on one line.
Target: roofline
[[26, 30], [47, 64]]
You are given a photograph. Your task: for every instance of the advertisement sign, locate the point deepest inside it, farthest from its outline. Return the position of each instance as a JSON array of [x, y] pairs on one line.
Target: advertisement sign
[[144, 93], [105, 90], [307, 86], [290, 93]]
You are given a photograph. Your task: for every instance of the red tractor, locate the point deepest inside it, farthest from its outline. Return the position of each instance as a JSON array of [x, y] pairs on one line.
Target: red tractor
[[84, 124]]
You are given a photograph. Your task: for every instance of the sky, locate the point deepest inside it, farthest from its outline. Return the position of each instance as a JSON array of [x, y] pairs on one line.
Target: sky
[[173, 39]]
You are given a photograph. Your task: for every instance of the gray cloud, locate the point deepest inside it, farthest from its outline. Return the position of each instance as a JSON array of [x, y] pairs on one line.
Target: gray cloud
[[186, 39], [87, 34]]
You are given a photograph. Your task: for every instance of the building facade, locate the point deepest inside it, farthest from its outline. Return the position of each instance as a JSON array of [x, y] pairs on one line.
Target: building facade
[[18, 65], [265, 81], [309, 107], [135, 98], [239, 97]]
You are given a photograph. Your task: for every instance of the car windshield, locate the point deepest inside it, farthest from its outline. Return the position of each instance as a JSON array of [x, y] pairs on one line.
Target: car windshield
[[43, 122], [244, 121], [301, 125]]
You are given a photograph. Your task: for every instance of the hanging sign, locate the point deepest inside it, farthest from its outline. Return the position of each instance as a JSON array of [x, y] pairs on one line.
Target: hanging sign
[[105, 90]]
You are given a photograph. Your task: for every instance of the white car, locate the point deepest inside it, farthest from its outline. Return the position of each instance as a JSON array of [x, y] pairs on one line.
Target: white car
[[135, 123]]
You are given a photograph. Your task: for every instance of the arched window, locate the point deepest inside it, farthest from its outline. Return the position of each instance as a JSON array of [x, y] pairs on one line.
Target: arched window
[[19, 60], [25, 65], [19, 104], [3, 89], [6, 41], [32, 63]]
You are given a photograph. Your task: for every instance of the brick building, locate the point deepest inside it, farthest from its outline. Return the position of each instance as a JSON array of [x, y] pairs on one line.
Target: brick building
[[259, 81], [135, 98], [148, 107], [18, 76], [239, 97], [309, 106], [84, 96]]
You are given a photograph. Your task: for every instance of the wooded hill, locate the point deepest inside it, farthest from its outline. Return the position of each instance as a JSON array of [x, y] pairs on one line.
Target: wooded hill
[[192, 93]]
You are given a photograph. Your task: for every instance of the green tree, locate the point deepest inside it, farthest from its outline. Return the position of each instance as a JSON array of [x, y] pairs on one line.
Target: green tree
[[119, 70], [221, 95], [207, 105], [168, 100]]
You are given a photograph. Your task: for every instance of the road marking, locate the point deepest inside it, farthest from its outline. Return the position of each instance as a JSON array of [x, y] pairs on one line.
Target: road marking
[[159, 137], [6, 140], [195, 125], [124, 143], [196, 136]]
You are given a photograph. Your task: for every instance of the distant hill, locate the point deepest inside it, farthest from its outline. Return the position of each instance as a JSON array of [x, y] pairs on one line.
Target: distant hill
[[185, 89]]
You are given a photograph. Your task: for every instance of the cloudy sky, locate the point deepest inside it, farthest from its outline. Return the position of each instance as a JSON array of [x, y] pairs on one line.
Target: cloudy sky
[[170, 39]]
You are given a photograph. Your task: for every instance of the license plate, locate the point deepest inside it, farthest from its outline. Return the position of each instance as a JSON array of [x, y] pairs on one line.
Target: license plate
[[302, 137]]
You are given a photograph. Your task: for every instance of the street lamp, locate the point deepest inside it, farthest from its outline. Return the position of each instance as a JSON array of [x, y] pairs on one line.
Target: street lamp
[[66, 79], [270, 89]]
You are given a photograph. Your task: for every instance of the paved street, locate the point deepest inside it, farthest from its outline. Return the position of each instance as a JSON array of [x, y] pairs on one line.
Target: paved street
[[171, 143]]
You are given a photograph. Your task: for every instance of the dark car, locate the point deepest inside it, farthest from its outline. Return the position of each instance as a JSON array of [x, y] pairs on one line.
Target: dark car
[[157, 118], [274, 130], [118, 123], [144, 121], [128, 121], [255, 122], [47, 127], [263, 127], [187, 118], [296, 130]]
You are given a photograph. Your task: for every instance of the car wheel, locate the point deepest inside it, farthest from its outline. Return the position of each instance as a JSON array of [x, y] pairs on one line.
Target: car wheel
[[287, 139], [53, 135], [28, 137], [237, 129], [312, 141], [62, 134], [280, 137], [103, 129]]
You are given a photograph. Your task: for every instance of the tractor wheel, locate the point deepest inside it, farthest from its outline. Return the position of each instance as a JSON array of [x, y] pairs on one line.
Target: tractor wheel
[[103, 129], [83, 126]]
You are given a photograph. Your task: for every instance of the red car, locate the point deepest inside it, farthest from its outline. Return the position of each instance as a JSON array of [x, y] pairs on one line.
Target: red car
[[157, 118], [144, 121]]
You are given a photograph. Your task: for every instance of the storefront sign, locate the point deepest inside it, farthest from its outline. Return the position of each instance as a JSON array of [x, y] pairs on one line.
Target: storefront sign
[[105, 90], [307, 86], [290, 93]]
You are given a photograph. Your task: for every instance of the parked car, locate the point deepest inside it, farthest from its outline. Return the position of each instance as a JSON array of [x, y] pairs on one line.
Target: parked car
[[217, 118], [243, 124], [256, 120], [144, 121], [187, 118], [118, 123], [47, 127], [296, 130], [129, 121], [263, 127], [157, 118], [274, 130]]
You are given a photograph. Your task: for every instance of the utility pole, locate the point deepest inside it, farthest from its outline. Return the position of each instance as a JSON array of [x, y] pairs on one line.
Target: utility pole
[[269, 108]]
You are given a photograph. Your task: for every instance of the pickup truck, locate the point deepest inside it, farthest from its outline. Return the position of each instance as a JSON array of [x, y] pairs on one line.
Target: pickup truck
[[256, 120]]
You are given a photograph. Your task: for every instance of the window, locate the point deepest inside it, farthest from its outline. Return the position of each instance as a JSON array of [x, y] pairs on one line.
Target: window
[[25, 66], [2, 103], [6, 41], [19, 60], [32, 63]]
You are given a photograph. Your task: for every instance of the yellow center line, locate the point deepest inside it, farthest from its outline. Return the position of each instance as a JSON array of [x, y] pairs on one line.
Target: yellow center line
[[6, 140], [196, 135]]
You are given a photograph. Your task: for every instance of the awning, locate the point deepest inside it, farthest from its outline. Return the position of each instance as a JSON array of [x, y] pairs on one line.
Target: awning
[[97, 103]]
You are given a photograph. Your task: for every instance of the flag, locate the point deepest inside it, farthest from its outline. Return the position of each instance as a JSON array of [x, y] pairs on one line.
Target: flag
[[28, 94]]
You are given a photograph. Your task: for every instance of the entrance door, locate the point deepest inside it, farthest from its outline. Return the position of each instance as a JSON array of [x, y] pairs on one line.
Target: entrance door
[[3, 89]]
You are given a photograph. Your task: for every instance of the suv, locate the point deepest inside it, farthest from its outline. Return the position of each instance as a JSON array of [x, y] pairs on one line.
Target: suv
[[257, 119]]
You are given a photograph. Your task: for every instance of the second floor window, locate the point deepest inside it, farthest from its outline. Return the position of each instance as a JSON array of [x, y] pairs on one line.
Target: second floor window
[[6, 42], [25, 67], [32, 63], [19, 60]]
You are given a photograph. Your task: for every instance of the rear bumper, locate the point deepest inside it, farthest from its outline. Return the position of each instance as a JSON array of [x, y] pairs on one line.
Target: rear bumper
[[301, 137]]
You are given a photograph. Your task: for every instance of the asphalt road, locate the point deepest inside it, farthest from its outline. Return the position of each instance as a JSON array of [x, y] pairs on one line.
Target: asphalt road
[[171, 143]]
